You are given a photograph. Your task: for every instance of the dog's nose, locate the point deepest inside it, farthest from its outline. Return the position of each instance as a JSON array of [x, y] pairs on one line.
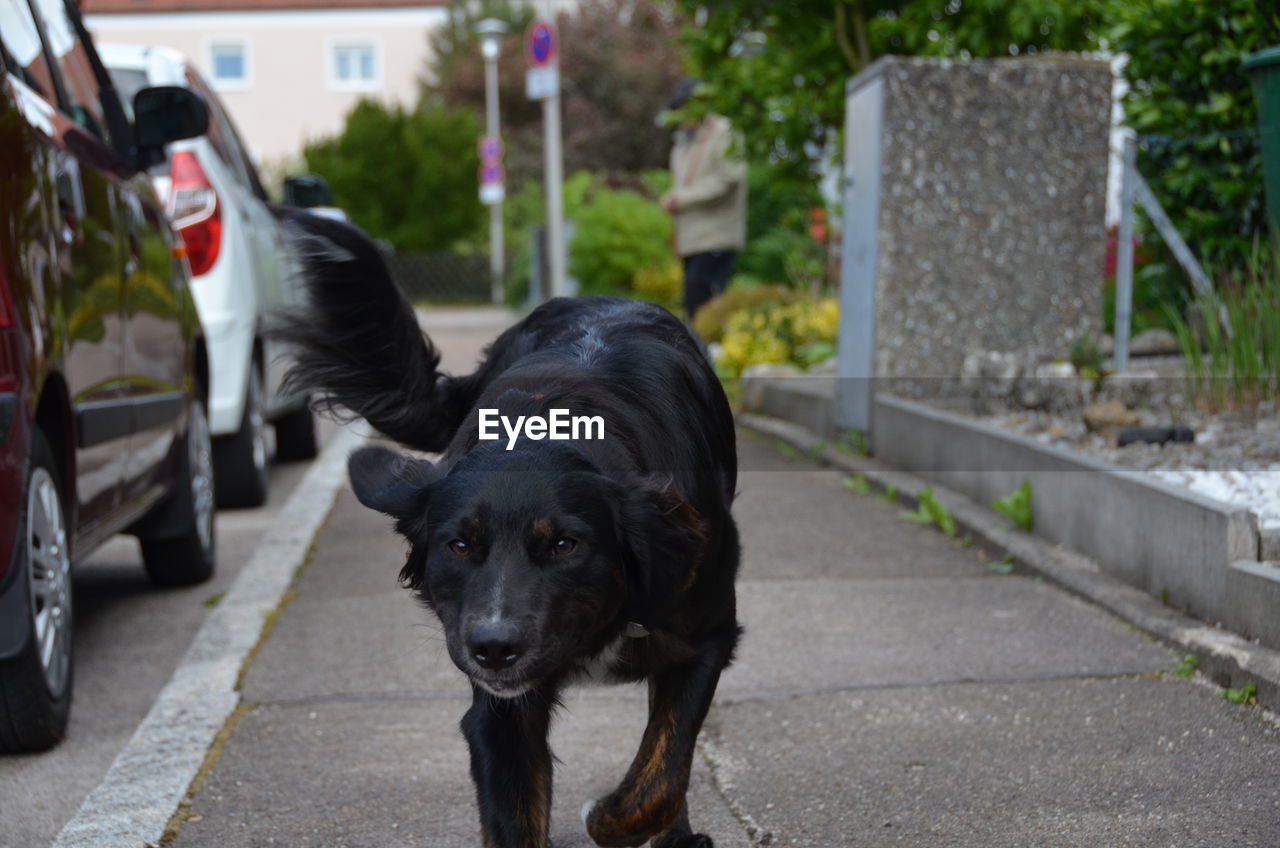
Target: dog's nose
[[496, 644]]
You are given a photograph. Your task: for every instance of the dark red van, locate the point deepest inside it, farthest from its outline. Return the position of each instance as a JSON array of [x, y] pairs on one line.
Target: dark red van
[[102, 364]]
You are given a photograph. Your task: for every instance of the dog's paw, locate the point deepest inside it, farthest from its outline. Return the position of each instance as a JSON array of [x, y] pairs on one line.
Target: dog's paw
[[617, 821]]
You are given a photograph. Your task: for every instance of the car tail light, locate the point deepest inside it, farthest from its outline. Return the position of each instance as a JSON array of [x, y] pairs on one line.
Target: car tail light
[[197, 216]]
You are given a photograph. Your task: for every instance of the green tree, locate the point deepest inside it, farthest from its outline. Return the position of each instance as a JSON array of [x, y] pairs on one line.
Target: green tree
[[407, 176], [779, 69], [619, 63]]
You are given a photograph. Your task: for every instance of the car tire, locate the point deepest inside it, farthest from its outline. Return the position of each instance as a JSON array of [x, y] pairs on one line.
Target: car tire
[[240, 461], [187, 553], [35, 685], [296, 436]]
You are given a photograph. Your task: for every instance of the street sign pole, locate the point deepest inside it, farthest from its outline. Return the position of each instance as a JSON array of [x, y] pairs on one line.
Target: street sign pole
[[544, 58], [495, 209], [555, 193], [491, 176]]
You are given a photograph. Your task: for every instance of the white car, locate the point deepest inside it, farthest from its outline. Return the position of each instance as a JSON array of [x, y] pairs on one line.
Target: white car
[[241, 272]]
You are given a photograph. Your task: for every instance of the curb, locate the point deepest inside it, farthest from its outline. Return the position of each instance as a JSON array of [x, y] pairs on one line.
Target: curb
[[149, 778], [1225, 658]]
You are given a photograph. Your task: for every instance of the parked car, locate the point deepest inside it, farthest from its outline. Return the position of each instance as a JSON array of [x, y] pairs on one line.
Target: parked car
[[242, 271], [103, 364]]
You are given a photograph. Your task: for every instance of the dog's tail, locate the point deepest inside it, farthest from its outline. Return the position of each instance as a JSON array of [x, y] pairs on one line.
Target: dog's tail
[[357, 346]]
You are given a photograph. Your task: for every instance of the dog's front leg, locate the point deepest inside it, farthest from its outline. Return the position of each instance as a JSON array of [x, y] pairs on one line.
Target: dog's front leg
[[650, 801], [511, 767]]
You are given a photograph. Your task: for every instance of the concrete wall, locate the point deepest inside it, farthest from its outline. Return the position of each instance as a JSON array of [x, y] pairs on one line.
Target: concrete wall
[[991, 201], [1172, 543], [291, 96]]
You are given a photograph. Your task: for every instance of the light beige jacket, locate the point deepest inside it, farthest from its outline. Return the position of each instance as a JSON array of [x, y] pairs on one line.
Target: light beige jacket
[[709, 187]]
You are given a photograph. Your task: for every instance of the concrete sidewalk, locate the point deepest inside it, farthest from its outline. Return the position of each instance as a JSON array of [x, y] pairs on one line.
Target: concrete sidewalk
[[890, 690]]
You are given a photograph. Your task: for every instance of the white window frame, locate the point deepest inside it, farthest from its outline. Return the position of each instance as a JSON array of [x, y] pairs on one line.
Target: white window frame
[[243, 83], [331, 51]]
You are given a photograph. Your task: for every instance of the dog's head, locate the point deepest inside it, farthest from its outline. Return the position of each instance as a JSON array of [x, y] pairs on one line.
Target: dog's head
[[533, 560]]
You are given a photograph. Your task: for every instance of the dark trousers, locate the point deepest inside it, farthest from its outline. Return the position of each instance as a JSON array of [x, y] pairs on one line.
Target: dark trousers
[[705, 276]]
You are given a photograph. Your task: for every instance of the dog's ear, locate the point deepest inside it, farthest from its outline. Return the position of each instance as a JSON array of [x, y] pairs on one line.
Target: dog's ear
[[390, 482], [665, 539]]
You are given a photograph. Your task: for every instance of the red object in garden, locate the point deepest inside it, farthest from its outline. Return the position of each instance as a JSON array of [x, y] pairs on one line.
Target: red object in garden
[[1140, 257], [818, 224]]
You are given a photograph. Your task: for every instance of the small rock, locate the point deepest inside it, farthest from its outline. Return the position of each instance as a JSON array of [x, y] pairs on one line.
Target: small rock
[[756, 377], [1108, 415], [1154, 342], [1155, 435], [826, 366]]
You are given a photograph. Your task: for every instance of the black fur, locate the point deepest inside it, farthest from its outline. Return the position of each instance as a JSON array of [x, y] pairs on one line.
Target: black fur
[[539, 560]]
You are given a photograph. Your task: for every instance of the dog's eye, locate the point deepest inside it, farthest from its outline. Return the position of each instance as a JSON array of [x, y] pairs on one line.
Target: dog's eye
[[459, 547], [563, 545]]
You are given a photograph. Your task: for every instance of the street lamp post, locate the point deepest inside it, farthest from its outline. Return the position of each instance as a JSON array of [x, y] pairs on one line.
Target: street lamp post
[[491, 32]]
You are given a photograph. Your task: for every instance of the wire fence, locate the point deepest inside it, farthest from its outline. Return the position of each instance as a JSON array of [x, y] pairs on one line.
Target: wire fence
[[441, 277]]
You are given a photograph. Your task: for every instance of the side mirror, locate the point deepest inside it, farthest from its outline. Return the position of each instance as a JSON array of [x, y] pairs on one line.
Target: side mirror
[[165, 113], [307, 191]]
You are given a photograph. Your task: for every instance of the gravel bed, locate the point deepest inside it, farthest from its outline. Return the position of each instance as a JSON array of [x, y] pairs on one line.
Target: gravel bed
[[1235, 457]]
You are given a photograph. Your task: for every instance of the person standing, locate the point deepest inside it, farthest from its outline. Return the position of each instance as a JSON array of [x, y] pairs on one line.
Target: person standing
[[707, 200]]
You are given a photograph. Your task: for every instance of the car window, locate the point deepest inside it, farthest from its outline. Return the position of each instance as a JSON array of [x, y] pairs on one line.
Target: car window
[[21, 42], [80, 95]]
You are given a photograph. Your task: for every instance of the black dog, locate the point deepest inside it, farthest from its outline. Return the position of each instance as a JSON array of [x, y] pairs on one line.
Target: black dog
[[548, 561]]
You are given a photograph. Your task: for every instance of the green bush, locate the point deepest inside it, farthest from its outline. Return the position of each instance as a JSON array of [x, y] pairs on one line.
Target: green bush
[[801, 333], [778, 209], [713, 317], [617, 234], [1192, 105], [407, 176]]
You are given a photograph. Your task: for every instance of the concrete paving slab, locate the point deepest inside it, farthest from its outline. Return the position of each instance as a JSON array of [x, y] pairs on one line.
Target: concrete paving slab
[[820, 635], [395, 773], [364, 645], [1134, 762], [351, 629], [829, 531]]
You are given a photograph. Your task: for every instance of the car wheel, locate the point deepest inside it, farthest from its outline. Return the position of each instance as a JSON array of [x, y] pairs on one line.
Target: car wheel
[[35, 685], [296, 436], [240, 460], [187, 555]]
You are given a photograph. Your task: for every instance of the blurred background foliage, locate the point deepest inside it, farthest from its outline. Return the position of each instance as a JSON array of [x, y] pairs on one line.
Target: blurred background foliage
[[778, 71], [1193, 107], [406, 176]]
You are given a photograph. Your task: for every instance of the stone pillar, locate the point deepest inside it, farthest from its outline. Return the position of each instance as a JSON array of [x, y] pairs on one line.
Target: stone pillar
[[975, 204]]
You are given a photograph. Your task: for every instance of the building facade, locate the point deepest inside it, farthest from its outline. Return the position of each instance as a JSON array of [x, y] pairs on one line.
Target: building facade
[[288, 70]]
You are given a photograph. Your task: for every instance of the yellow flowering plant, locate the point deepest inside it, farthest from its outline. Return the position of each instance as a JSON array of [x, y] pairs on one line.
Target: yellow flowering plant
[[801, 333]]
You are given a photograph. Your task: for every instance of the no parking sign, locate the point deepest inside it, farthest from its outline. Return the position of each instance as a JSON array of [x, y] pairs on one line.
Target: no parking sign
[[542, 46], [541, 42], [492, 176]]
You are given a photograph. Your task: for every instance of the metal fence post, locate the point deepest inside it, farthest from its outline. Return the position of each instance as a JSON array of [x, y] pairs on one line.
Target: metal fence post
[[1124, 256]]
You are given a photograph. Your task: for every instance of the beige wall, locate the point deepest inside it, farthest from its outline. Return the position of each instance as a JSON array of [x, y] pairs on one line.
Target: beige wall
[[291, 96]]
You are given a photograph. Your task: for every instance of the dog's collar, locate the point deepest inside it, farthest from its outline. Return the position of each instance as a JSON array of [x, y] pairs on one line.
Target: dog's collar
[[636, 630]]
